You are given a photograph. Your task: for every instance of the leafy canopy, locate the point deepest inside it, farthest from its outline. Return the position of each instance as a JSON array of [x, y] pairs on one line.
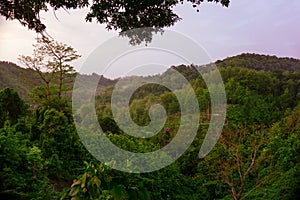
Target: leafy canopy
[[115, 14], [11, 106]]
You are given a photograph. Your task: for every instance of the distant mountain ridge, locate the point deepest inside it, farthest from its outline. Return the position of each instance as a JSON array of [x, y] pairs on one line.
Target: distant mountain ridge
[[24, 80], [261, 62]]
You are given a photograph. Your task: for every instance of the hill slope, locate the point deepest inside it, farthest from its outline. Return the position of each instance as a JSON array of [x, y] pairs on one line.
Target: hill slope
[[261, 62], [20, 79], [24, 80]]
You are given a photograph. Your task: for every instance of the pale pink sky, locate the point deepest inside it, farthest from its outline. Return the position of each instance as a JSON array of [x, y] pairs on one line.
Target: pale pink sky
[[255, 26]]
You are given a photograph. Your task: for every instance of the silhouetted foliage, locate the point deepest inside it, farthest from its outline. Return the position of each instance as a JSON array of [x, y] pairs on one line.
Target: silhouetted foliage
[[115, 14]]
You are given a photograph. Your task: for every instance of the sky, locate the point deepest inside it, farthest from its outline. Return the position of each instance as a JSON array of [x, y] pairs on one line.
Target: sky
[[254, 26]]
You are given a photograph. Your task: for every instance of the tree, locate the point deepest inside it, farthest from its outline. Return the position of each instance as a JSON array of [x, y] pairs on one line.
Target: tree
[[237, 160], [115, 14], [101, 182], [50, 60], [11, 106]]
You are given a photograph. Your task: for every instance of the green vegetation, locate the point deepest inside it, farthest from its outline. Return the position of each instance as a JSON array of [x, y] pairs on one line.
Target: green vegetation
[[20, 79], [256, 157], [23, 81], [121, 14]]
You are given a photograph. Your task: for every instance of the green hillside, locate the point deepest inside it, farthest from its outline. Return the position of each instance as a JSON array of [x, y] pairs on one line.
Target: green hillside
[[20, 79], [261, 62], [256, 156], [24, 80]]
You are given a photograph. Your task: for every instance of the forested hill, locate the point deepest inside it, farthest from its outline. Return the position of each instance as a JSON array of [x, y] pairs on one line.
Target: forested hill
[[24, 80], [20, 79], [261, 62], [255, 157]]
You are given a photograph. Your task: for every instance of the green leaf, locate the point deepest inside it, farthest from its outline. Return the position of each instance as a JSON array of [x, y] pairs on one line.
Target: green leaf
[[73, 192], [75, 198], [76, 183], [83, 180], [95, 181]]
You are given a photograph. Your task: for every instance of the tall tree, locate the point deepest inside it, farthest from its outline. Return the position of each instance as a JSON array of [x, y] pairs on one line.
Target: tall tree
[[238, 160], [50, 59]]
